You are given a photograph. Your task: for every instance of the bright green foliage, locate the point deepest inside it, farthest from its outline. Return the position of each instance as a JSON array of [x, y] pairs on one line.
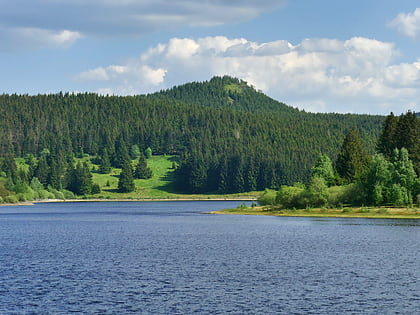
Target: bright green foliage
[[353, 158], [391, 182], [126, 179], [291, 196], [268, 197], [148, 153], [317, 192], [135, 152], [323, 168], [142, 171]]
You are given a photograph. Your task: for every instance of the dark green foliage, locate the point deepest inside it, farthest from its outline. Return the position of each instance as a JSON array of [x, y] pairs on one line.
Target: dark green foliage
[[105, 164], [215, 122], [401, 132], [96, 189], [80, 181], [42, 170], [121, 153], [387, 141], [142, 171], [9, 167], [353, 159], [126, 179]]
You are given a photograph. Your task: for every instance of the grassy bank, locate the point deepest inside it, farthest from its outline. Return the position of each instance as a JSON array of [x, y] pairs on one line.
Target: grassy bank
[[346, 212], [159, 187]]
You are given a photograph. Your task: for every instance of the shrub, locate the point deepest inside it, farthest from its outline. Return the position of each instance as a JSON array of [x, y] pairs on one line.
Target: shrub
[[268, 197], [11, 199], [68, 194], [290, 196]]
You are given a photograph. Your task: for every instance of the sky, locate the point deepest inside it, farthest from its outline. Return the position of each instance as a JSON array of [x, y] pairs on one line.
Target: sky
[[360, 56]]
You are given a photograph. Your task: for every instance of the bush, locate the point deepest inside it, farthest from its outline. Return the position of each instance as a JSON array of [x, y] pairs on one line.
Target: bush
[[11, 199], [68, 194], [268, 197], [45, 194], [1, 200], [291, 196]]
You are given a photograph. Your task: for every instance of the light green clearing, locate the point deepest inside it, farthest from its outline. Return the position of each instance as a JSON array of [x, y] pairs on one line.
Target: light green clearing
[[160, 186]]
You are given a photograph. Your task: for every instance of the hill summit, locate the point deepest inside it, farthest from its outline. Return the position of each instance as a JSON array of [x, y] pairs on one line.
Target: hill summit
[[225, 92]]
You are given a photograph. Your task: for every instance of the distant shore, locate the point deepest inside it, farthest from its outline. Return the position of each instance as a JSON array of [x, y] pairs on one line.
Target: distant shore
[[30, 203], [359, 212]]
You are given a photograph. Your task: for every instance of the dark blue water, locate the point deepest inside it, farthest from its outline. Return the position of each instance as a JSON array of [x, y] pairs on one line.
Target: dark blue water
[[168, 258]]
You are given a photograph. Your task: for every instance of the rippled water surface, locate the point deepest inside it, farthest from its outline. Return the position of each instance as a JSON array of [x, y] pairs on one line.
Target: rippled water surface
[[169, 258]]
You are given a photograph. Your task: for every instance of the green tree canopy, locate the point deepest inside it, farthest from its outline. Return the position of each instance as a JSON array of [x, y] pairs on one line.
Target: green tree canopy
[[126, 179], [353, 158]]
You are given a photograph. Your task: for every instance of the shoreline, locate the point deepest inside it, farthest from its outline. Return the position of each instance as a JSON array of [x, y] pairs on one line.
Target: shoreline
[[31, 203], [373, 213]]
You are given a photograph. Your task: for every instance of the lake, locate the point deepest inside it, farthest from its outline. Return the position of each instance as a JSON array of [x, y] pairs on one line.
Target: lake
[[170, 258]]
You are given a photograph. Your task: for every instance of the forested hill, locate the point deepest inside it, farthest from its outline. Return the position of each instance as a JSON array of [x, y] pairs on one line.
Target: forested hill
[[225, 92], [255, 144]]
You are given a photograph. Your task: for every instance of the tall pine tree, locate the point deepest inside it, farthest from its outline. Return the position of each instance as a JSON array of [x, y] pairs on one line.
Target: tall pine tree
[[126, 180], [353, 158]]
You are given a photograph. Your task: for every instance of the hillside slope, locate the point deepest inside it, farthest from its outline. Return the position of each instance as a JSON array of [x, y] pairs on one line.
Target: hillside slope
[[232, 137]]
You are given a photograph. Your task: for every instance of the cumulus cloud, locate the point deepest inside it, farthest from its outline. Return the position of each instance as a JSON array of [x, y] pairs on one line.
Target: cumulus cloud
[[116, 18], [408, 24], [355, 75]]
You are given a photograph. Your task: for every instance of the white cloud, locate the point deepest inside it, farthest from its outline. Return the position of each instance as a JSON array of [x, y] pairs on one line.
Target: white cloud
[[356, 75], [408, 24], [33, 38], [117, 18]]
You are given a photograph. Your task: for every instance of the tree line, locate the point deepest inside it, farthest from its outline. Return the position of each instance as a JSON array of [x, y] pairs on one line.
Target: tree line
[[229, 137], [388, 177]]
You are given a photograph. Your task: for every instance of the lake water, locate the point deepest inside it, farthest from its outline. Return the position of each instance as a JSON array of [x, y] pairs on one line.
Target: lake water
[[169, 258]]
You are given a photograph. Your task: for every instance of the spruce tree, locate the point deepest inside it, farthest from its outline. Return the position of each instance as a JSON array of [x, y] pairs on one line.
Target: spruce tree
[[105, 166], [142, 171], [387, 140], [353, 158], [80, 179], [126, 180]]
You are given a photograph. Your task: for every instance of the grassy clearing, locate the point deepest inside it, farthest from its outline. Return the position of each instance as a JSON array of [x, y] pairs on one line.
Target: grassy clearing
[[347, 212], [160, 186]]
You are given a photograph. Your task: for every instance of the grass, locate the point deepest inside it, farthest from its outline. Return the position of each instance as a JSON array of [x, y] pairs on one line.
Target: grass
[[346, 212], [160, 186]]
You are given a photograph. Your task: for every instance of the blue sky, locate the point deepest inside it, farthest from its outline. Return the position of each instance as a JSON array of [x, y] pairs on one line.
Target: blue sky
[[360, 56]]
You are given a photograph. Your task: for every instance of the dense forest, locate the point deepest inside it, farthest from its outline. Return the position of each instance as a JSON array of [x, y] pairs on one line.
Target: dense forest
[[228, 137], [388, 177]]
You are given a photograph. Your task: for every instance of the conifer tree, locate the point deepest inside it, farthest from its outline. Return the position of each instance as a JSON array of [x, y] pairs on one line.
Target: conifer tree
[[352, 159], [126, 180], [9, 167], [142, 171], [42, 170], [105, 166], [80, 179], [387, 140]]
